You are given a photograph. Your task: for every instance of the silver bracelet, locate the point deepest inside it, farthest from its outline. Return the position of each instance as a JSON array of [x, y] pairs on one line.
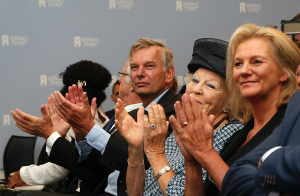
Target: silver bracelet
[[132, 166], [211, 180], [166, 168]]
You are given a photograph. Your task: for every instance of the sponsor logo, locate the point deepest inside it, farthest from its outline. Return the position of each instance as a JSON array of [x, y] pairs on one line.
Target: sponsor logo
[[6, 120], [180, 80], [51, 80], [163, 41], [51, 3], [18, 40], [77, 41], [14, 40], [90, 42], [251, 7], [5, 40], [242, 7], [43, 80], [122, 4], [85, 41], [188, 6]]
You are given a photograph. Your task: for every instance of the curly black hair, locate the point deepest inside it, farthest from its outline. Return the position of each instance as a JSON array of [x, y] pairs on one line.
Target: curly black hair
[[96, 76]]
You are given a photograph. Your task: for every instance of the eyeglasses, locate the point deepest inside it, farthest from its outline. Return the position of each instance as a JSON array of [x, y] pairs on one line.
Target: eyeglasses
[[120, 74]]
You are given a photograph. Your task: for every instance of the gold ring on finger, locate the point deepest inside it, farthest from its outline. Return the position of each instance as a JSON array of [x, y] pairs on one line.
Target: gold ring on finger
[[185, 124], [35, 125]]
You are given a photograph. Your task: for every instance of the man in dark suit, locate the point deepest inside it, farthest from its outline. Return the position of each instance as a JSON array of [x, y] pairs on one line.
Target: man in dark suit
[[153, 84], [274, 166]]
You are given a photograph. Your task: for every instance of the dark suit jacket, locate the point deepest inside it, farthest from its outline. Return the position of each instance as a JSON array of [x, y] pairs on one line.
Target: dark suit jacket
[[280, 171], [229, 154], [110, 113], [116, 152], [65, 154], [90, 171]]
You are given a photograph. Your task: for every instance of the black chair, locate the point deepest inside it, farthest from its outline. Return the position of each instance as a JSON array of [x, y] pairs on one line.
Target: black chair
[[19, 151]]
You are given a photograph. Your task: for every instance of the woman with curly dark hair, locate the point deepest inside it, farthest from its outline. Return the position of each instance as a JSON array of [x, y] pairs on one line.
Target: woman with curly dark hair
[[94, 79]]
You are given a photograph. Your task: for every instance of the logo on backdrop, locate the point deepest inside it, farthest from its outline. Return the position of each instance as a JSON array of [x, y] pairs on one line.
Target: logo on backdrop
[[180, 80], [51, 3], [6, 120], [85, 41], [188, 6], [51, 80], [251, 7], [163, 41], [14, 40], [122, 4]]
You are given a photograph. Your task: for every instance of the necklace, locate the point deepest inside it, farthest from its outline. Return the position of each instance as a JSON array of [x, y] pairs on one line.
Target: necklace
[[216, 125], [248, 136]]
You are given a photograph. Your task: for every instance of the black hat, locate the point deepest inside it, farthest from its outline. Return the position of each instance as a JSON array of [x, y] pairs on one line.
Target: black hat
[[209, 53]]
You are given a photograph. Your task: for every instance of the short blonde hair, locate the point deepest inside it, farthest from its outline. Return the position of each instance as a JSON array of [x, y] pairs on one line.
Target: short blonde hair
[[167, 54], [284, 52]]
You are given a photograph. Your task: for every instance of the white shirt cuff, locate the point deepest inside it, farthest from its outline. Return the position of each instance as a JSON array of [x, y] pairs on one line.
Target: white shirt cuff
[[50, 141], [22, 173], [98, 138]]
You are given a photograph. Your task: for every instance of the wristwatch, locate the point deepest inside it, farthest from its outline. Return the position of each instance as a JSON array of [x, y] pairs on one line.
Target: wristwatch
[[165, 169]]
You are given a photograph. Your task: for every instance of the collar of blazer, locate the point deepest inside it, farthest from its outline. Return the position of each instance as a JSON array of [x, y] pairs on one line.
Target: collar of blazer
[[167, 101], [229, 154]]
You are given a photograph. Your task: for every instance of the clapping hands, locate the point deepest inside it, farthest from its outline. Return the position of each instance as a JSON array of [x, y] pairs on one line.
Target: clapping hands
[[192, 127]]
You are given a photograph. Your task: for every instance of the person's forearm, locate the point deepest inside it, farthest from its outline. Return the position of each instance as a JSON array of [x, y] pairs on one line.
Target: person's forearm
[[80, 136], [135, 178], [47, 173], [86, 127], [214, 165], [157, 162], [193, 179]]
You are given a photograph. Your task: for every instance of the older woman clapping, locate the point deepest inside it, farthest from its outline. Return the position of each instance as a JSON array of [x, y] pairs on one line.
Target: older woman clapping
[[261, 66]]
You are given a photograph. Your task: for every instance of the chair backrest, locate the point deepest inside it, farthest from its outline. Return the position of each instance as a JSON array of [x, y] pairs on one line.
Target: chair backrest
[[19, 151]]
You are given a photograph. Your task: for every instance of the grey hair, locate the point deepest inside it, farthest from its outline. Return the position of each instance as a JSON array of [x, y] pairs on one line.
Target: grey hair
[[167, 54]]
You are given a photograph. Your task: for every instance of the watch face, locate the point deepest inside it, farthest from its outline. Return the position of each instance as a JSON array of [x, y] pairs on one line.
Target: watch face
[[167, 168]]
